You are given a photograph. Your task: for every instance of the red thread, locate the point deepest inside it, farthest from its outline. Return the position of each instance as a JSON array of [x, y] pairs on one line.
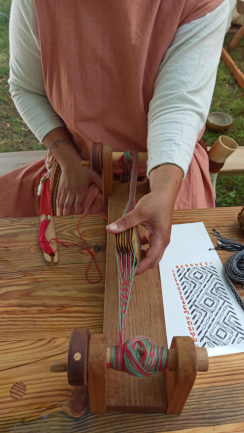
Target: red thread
[[46, 247]]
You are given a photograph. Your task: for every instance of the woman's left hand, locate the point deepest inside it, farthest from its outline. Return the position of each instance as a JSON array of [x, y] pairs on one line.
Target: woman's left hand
[[154, 211]]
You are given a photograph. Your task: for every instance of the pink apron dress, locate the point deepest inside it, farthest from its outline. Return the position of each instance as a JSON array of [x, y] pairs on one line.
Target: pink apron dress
[[100, 60]]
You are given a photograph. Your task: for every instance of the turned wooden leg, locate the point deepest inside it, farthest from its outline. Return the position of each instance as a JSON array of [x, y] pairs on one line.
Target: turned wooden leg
[[107, 172]]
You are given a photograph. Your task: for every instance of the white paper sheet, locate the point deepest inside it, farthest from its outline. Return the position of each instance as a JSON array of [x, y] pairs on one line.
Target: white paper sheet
[[197, 300]]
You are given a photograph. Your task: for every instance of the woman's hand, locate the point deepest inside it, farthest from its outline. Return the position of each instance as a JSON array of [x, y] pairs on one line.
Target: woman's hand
[[75, 179], [154, 211], [73, 185]]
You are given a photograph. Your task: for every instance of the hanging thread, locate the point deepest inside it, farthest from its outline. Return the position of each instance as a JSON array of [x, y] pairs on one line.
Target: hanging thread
[[128, 356], [46, 247], [234, 267], [125, 162]]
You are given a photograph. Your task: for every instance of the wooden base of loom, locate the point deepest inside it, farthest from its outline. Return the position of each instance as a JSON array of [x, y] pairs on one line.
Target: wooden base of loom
[[145, 317], [112, 391]]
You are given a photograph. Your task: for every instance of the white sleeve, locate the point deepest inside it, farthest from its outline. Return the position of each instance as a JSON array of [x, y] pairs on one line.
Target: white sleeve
[[183, 90], [26, 76]]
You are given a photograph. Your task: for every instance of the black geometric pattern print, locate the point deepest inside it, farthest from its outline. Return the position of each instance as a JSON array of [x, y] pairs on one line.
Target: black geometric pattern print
[[210, 307]]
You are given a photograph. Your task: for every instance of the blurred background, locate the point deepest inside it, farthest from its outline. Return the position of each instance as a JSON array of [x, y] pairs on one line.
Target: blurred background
[[228, 98]]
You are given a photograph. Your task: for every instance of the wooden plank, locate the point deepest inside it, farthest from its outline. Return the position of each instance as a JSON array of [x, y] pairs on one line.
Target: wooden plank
[[219, 406], [233, 67], [19, 236], [11, 160], [145, 317], [217, 398], [27, 362], [37, 298], [234, 164]]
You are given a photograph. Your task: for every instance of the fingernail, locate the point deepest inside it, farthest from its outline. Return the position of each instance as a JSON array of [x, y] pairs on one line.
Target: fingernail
[[112, 226]]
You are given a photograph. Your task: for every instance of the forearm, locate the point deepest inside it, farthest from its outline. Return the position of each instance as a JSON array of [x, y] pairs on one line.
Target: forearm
[[62, 147], [165, 181]]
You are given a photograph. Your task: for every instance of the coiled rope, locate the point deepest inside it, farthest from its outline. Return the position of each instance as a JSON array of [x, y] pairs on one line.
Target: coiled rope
[[234, 267]]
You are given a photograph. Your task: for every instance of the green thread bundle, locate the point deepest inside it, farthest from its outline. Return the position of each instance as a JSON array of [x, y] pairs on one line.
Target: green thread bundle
[[139, 357]]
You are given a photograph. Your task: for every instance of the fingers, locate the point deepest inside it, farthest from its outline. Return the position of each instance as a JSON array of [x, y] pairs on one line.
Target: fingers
[[151, 258], [127, 221], [65, 204], [60, 203], [79, 205]]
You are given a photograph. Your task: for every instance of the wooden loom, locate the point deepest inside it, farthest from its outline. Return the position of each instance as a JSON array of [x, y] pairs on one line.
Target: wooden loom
[[110, 390]]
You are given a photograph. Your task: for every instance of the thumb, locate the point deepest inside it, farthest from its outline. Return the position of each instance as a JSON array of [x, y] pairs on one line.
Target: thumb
[[127, 221]]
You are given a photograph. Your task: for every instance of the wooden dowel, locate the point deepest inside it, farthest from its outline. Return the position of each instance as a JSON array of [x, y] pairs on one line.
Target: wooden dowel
[[239, 76], [201, 352], [58, 367], [142, 157], [235, 41]]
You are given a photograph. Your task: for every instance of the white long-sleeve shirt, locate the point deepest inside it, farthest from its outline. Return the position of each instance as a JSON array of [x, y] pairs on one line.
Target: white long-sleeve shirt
[[182, 94]]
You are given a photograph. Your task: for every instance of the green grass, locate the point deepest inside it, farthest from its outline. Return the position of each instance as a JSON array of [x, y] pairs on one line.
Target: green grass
[[14, 133], [228, 97]]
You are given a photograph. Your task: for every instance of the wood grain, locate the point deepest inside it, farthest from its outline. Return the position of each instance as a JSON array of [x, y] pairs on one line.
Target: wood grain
[[36, 316], [37, 298]]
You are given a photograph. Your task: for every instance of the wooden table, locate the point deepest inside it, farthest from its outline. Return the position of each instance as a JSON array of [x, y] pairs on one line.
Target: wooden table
[[40, 304]]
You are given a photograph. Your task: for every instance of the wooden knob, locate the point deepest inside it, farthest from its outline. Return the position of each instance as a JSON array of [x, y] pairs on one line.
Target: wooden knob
[[201, 355], [78, 357]]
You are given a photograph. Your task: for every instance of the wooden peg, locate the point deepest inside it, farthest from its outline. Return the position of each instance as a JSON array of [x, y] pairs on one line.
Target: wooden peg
[[58, 367], [239, 35], [50, 234], [107, 173]]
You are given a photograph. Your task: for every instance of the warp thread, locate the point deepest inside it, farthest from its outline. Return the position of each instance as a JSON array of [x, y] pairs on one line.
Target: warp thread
[[125, 162], [127, 356], [234, 267]]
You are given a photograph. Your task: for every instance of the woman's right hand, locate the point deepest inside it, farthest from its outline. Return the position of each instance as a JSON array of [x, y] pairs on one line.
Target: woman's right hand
[[73, 185]]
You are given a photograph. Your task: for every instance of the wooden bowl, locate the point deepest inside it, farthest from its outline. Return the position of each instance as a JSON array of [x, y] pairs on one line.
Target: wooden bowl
[[219, 121]]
